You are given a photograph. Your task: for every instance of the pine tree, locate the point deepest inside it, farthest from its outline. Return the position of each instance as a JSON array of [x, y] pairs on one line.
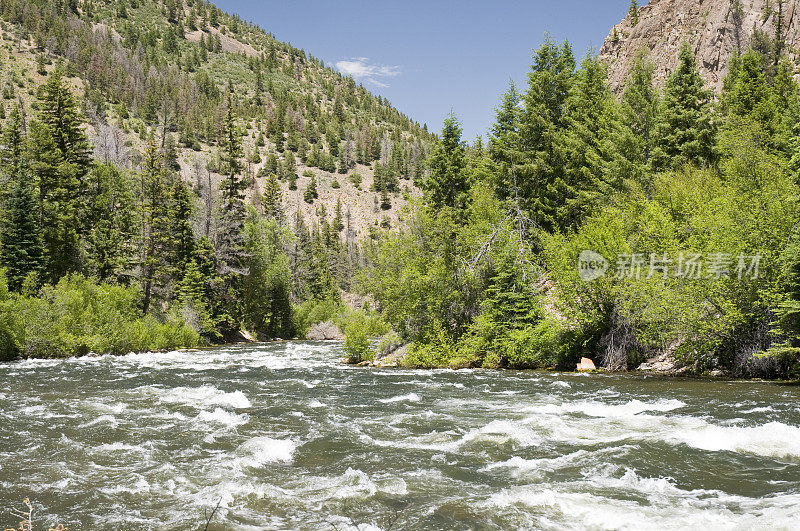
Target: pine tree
[[448, 182], [338, 224], [747, 96], [60, 113], [22, 253], [111, 238], [588, 146], [154, 222], [640, 104], [59, 158], [181, 233], [540, 172], [273, 199], [685, 131], [311, 192], [504, 141], [633, 13], [232, 210]]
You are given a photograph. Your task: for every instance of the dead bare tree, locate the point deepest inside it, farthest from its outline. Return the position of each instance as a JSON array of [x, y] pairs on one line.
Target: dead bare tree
[[210, 517]]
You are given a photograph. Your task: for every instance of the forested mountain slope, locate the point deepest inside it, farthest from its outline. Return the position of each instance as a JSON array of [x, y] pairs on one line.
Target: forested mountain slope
[[170, 172], [167, 66]]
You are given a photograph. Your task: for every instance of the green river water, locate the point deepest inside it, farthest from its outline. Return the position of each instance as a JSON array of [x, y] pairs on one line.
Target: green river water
[[284, 436]]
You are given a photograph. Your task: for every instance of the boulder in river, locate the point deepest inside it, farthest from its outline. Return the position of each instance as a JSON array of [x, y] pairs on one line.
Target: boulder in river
[[586, 365], [327, 331]]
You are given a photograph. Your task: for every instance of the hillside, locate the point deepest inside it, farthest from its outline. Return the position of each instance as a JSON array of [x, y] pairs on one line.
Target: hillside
[[715, 30], [165, 67]]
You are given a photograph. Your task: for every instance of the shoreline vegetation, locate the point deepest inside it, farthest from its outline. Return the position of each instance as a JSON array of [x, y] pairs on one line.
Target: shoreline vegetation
[[133, 218]]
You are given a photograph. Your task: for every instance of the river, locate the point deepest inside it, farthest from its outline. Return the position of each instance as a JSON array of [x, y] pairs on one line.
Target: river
[[284, 436]]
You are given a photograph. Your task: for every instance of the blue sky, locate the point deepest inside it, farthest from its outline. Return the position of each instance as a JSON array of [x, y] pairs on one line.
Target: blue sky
[[427, 57]]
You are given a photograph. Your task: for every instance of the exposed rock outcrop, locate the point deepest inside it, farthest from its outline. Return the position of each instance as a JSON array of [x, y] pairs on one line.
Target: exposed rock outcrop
[[714, 29], [326, 331]]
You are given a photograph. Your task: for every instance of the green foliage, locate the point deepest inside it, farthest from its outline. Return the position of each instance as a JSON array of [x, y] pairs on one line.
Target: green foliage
[[272, 201], [684, 131], [59, 158], [447, 184], [311, 192], [360, 327], [20, 236], [78, 316], [633, 13], [640, 103], [314, 311], [266, 289]]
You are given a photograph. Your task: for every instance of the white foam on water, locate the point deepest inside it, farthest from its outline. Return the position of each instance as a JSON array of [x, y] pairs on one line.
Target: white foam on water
[[632, 420], [765, 409], [411, 397], [206, 395], [582, 505], [139, 487], [519, 466], [259, 451], [773, 439], [561, 383], [353, 483], [221, 416], [120, 447], [102, 419], [502, 431], [316, 404], [603, 409]]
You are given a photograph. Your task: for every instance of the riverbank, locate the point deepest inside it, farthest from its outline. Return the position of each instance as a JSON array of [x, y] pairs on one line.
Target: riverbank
[[392, 355]]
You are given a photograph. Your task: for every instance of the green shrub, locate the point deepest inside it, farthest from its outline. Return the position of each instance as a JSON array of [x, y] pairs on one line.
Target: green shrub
[[357, 337], [78, 316], [313, 311]]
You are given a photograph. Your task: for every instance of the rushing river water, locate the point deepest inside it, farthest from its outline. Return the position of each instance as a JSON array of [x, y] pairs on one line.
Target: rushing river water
[[284, 436]]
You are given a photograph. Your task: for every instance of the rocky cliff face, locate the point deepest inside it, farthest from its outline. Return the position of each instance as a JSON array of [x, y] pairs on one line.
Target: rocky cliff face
[[715, 29]]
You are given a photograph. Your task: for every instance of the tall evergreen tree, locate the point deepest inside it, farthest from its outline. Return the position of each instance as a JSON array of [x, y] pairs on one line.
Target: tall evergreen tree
[[685, 130], [504, 142], [592, 122], [154, 224], [448, 182], [633, 13], [272, 201], [640, 104], [111, 238], [59, 152], [540, 173], [232, 211], [748, 97], [22, 253], [181, 233]]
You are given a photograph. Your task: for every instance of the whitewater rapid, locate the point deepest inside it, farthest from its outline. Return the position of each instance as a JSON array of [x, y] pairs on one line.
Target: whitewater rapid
[[284, 436]]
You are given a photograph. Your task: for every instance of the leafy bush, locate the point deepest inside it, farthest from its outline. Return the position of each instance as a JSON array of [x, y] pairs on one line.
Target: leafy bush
[[315, 311], [357, 338], [78, 316]]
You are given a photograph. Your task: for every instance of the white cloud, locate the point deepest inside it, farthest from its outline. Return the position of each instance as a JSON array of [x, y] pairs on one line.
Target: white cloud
[[360, 68]]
